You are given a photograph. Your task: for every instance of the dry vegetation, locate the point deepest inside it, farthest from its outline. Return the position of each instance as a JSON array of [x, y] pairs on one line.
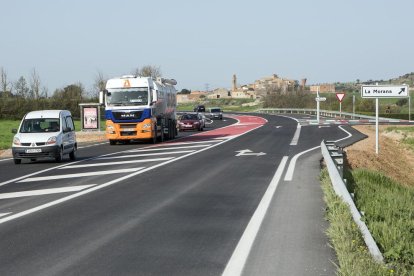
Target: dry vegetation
[[395, 159]]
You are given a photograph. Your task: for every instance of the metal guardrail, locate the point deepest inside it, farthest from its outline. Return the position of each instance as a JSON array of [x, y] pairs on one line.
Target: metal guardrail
[[334, 161], [327, 113]]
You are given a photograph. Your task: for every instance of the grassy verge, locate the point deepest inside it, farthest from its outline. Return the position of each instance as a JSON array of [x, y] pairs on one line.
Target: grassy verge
[[6, 136], [353, 256], [388, 212], [6, 126]]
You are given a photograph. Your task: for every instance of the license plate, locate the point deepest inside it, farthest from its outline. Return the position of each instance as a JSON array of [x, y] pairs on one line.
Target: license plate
[[128, 129], [33, 150]]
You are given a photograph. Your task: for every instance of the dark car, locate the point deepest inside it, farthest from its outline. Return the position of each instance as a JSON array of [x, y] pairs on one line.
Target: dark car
[[200, 108], [191, 122], [215, 113]]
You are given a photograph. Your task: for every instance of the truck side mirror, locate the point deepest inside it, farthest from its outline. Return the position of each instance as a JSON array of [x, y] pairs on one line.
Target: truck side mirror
[[102, 95]]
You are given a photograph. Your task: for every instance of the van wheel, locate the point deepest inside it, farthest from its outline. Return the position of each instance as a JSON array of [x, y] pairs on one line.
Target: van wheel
[[17, 161], [72, 155], [59, 156]]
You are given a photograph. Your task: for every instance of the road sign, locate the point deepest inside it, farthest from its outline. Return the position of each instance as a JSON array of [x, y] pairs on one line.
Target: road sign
[[384, 91], [340, 96], [320, 99]]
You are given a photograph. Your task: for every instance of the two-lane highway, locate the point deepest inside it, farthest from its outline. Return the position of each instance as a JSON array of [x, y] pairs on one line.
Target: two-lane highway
[[176, 208]]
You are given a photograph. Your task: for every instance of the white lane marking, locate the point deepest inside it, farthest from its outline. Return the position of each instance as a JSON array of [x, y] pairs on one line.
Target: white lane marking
[[295, 139], [289, 118], [116, 163], [239, 257], [115, 181], [73, 175], [186, 143], [171, 148], [93, 145], [1, 160], [292, 164], [45, 191], [4, 214], [146, 154]]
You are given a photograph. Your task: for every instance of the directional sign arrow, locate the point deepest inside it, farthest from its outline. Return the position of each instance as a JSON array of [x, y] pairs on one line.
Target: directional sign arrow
[[402, 91], [248, 152]]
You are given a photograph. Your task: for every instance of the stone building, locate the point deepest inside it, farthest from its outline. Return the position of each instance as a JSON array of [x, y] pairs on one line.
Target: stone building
[[323, 88]]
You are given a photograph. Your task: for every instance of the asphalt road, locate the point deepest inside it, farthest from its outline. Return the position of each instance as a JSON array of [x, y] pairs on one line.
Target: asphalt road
[[187, 207]]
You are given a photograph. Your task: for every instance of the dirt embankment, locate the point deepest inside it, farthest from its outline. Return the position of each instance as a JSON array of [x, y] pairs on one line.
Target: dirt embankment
[[395, 159]]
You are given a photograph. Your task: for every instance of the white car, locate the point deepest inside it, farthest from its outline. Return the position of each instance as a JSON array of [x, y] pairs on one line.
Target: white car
[[45, 134]]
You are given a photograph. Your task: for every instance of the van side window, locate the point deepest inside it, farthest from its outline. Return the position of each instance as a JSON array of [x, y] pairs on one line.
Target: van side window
[[69, 123]]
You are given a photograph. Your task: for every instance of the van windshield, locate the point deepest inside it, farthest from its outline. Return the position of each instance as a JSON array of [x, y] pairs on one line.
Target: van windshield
[[214, 110], [127, 96], [40, 125]]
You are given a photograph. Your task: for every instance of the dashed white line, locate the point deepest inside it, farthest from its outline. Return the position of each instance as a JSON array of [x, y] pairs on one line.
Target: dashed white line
[[64, 176], [117, 163], [4, 214], [45, 192]]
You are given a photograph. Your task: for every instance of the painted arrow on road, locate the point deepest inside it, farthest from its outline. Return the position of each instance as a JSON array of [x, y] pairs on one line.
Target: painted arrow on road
[[248, 152]]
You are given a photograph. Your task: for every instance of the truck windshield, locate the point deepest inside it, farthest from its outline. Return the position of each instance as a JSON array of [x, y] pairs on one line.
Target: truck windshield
[[127, 96]]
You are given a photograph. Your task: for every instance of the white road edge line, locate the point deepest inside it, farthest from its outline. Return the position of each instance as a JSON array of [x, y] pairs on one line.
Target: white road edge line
[[4, 214], [45, 191], [115, 181], [239, 257], [292, 164]]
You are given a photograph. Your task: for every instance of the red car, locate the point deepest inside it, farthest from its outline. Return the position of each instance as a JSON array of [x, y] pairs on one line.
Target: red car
[[191, 122]]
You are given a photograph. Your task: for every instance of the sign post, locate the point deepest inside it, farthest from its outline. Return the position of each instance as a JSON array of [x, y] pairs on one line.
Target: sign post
[[382, 91], [318, 100]]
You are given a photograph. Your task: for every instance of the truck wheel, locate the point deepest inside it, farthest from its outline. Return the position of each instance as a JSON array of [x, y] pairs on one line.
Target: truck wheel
[[154, 136], [112, 142], [59, 156], [17, 161]]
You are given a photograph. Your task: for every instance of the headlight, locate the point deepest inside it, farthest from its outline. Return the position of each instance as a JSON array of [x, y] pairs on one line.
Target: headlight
[[16, 141], [51, 140], [146, 126], [110, 129]]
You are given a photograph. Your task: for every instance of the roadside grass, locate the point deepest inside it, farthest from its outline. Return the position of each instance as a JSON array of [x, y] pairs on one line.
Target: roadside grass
[[6, 126], [6, 136], [227, 105], [388, 210]]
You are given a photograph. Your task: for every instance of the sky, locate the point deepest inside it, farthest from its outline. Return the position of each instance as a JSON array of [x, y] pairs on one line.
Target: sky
[[203, 43]]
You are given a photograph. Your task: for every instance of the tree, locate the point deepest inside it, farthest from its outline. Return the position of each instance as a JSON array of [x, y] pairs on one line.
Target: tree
[[35, 84], [148, 71], [184, 91], [4, 82], [21, 88], [99, 84]]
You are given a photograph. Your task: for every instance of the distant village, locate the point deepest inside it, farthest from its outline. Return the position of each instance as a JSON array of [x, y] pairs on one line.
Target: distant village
[[257, 90]]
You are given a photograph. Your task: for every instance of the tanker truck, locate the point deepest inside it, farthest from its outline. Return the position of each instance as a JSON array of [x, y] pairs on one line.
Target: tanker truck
[[139, 108]]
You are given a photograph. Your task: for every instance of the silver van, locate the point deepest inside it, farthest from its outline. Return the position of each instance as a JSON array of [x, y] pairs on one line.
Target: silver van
[[45, 134]]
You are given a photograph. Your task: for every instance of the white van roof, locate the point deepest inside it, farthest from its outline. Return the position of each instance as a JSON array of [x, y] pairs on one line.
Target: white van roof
[[46, 114]]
